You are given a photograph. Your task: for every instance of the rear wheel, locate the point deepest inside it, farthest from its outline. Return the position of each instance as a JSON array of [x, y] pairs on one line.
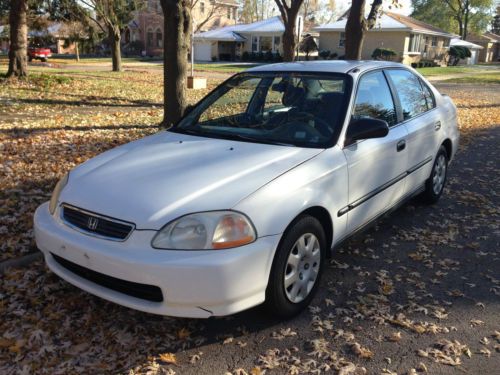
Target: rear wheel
[[297, 268], [434, 186]]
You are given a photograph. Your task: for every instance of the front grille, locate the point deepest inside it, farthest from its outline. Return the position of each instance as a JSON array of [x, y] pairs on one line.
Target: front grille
[[137, 290], [96, 224]]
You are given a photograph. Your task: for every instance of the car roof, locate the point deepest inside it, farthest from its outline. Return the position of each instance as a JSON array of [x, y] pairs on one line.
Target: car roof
[[336, 66]]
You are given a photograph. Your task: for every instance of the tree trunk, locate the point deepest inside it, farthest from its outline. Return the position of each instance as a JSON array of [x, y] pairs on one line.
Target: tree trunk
[[355, 30], [289, 42], [177, 26], [116, 54], [466, 23], [77, 51], [289, 15], [18, 51]]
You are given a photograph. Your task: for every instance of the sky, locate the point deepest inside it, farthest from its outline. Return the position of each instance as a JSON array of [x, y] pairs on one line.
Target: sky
[[405, 5]]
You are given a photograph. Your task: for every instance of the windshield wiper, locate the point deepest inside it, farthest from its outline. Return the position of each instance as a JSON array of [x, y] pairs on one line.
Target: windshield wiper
[[259, 140]]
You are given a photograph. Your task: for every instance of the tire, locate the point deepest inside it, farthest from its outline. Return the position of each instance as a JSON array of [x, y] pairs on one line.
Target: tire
[[434, 185], [296, 262]]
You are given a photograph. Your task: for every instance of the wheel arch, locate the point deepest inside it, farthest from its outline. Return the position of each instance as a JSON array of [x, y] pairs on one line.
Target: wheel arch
[[323, 216], [448, 147]]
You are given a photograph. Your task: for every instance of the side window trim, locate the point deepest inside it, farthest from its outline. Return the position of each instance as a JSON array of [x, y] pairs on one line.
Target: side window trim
[[425, 87], [395, 99]]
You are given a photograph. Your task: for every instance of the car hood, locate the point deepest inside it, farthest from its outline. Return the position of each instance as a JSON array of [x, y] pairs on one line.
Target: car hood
[[159, 178]]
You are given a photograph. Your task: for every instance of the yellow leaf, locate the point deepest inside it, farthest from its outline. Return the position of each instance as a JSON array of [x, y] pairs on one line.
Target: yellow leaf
[[168, 358]]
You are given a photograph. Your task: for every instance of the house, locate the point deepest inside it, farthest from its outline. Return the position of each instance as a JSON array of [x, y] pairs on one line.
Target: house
[[231, 42], [146, 29], [56, 37], [474, 49], [413, 41], [491, 46]]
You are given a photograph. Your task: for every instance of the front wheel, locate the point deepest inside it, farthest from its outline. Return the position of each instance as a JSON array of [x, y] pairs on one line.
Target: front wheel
[[297, 268], [434, 186]]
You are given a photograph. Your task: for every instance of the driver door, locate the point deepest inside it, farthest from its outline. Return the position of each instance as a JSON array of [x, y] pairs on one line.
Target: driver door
[[376, 167]]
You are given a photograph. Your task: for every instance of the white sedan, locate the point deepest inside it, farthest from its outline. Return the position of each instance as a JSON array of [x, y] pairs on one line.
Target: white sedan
[[242, 201]]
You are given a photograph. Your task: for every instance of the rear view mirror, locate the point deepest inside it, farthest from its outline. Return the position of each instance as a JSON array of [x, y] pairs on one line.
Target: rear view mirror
[[365, 128]]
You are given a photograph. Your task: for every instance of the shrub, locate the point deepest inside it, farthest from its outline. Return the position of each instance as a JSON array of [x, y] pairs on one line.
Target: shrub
[[245, 56], [324, 54], [269, 56], [383, 54], [456, 53], [277, 57], [214, 58]]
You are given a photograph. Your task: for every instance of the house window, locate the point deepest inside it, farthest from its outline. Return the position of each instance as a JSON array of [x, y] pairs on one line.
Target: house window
[[228, 12], [434, 41], [277, 42], [255, 44], [159, 38], [149, 38], [266, 43], [234, 13], [415, 43], [202, 7], [342, 40]]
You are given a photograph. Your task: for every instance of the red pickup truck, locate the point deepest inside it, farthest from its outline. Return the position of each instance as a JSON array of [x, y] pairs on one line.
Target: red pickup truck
[[39, 53]]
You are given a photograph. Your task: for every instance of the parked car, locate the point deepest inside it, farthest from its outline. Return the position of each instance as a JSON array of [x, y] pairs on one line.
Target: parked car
[[39, 53], [242, 201]]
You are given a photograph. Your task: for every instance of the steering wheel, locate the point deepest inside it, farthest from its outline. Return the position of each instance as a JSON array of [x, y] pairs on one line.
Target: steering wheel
[[290, 129], [321, 126]]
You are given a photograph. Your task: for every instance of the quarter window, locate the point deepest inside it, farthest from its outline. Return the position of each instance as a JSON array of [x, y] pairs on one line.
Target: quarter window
[[374, 99], [408, 88]]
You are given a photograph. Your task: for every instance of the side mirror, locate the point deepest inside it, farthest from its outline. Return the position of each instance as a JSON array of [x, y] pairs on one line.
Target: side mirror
[[365, 128]]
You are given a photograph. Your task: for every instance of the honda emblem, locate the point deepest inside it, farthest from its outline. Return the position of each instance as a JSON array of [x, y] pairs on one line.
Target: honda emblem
[[92, 223]]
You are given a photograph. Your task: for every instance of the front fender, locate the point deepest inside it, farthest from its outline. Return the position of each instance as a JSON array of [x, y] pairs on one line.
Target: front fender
[[321, 181]]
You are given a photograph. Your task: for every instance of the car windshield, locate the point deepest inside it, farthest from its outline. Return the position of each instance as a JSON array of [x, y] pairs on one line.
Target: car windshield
[[295, 109]]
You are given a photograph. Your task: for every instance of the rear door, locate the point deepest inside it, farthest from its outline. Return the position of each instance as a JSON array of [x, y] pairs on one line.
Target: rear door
[[422, 122], [376, 167]]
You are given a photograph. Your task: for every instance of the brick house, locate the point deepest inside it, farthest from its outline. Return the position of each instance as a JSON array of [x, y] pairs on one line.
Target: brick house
[[147, 25], [412, 40]]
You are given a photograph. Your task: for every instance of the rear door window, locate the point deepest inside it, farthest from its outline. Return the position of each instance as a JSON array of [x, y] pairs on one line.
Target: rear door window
[[410, 93]]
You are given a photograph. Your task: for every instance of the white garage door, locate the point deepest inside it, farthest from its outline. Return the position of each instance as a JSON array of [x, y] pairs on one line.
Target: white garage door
[[473, 58], [203, 51]]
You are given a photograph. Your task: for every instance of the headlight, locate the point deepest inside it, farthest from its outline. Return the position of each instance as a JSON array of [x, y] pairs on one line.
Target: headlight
[[206, 230], [57, 191]]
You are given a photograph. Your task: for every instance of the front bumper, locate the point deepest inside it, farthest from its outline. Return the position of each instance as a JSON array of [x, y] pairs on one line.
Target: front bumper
[[196, 284]]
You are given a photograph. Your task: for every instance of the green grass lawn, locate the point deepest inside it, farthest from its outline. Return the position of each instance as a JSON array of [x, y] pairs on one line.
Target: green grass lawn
[[487, 78]]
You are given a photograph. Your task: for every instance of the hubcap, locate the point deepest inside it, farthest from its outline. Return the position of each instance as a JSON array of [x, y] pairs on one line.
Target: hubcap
[[302, 268], [439, 174]]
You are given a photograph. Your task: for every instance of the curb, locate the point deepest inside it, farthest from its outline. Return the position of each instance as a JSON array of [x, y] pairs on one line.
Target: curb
[[20, 262]]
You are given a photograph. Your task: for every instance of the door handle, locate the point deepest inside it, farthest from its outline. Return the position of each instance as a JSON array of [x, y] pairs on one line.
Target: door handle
[[401, 145], [437, 125]]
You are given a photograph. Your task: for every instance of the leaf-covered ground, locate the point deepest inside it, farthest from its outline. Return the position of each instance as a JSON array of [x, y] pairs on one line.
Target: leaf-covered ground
[[418, 293]]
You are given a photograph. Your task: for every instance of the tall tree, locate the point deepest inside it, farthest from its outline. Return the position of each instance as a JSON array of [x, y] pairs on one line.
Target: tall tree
[[357, 25], [18, 50], [495, 23], [457, 16], [112, 16], [289, 11], [177, 26]]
